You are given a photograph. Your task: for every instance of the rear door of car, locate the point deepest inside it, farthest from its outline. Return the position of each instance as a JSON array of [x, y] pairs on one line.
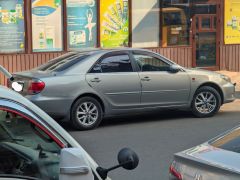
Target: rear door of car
[[160, 87], [115, 79]]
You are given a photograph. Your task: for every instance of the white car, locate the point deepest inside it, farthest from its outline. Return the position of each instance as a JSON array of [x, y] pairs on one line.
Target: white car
[[34, 146]]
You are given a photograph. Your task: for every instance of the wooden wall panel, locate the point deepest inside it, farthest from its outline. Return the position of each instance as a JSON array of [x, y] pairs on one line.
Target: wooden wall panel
[[21, 62], [230, 57]]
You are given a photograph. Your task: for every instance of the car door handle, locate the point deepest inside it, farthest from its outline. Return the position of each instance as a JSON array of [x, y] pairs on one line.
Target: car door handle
[[146, 79], [74, 170], [97, 80]]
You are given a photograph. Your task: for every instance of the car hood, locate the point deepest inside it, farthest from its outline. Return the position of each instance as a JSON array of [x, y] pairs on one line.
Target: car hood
[[202, 71], [213, 156]]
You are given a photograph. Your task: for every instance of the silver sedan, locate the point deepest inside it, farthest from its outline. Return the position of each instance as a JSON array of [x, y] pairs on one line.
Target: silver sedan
[[84, 87], [216, 159]]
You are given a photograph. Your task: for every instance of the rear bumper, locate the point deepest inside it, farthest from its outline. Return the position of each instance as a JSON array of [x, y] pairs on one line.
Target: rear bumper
[[54, 106], [229, 92]]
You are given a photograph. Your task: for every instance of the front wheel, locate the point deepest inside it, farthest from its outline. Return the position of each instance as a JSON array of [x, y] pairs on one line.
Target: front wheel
[[206, 102], [86, 113]]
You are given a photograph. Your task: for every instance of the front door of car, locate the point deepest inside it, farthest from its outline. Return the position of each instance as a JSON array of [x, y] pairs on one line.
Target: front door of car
[[29, 149], [160, 86], [114, 79]]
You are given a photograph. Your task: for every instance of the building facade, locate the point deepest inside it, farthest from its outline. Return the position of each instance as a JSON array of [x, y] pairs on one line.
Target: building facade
[[193, 33]]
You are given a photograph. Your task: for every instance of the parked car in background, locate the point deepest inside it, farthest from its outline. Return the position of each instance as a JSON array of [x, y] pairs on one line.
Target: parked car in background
[[218, 158], [34, 146], [84, 87]]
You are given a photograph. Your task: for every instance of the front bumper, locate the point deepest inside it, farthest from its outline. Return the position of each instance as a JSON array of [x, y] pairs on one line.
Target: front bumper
[[229, 92]]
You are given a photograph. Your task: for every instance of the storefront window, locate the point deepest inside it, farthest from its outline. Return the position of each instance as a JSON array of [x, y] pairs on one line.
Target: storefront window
[[81, 23], [12, 31], [47, 25], [176, 17], [145, 23], [114, 20]]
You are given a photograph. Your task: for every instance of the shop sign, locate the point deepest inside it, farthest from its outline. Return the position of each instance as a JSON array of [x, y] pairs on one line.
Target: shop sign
[[47, 25], [81, 23], [232, 22], [114, 23], [12, 31]]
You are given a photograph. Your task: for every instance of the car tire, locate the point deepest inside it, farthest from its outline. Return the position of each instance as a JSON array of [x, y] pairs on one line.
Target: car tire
[[206, 102], [86, 114]]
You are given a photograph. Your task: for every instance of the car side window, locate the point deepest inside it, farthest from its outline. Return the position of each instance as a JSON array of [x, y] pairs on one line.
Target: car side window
[[115, 63], [150, 63], [25, 149]]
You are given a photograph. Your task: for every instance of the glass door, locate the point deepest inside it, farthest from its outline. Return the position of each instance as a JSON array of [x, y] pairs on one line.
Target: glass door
[[205, 36]]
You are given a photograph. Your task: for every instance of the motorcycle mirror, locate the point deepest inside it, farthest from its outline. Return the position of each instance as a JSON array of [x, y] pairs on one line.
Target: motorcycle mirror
[[127, 159]]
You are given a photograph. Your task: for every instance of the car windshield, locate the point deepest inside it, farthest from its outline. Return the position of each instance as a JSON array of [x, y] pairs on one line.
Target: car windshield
[[16, 129], [63, 62], [229, 142]]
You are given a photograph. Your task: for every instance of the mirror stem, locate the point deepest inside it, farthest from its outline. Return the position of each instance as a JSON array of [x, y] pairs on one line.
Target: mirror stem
[[104, 172], [6, 73]]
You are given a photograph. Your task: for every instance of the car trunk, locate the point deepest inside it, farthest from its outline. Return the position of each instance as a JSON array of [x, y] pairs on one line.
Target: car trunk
[[207, 162], [25, 78]]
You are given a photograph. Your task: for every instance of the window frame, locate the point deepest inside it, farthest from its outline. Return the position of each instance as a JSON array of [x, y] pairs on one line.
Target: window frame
[[65, 27], [161, 30], [64, 33], [138, 52], [110, 54], [26, 31]]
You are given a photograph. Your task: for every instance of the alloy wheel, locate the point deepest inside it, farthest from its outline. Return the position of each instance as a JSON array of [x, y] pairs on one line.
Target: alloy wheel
[[205, 102], [87, 113]]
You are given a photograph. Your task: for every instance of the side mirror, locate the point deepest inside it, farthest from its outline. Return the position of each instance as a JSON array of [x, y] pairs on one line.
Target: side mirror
[[74, 165], [127, 159], [174, 68]]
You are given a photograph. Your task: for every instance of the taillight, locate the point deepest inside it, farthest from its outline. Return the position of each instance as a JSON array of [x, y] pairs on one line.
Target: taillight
[[35, 87], [175, 173]]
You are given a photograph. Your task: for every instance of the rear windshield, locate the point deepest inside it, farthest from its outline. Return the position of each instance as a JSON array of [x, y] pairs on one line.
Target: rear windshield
[[63, 62], [229, 142]]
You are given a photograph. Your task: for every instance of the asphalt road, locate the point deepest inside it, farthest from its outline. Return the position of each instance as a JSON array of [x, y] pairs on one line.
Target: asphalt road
[[155, 137]]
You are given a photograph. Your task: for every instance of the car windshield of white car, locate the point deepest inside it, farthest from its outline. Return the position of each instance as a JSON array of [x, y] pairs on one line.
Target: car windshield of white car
[[26, 150]]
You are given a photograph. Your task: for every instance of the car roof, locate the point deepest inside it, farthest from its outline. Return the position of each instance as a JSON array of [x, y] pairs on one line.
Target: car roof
[[102, 51]]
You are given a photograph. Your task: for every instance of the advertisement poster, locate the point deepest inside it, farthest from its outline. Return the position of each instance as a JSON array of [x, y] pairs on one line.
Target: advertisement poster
[[81, 23], [12, 31], [47, 25], [114, 20], [232, 22]]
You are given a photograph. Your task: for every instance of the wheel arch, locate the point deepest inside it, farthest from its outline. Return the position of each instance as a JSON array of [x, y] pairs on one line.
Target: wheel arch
[[215, 86]]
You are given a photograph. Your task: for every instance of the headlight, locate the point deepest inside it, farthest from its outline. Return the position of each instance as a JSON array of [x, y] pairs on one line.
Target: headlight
[[226, 78]]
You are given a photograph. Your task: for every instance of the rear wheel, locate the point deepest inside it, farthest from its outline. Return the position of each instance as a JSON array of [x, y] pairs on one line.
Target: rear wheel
[[86, 113], [206, 102]]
